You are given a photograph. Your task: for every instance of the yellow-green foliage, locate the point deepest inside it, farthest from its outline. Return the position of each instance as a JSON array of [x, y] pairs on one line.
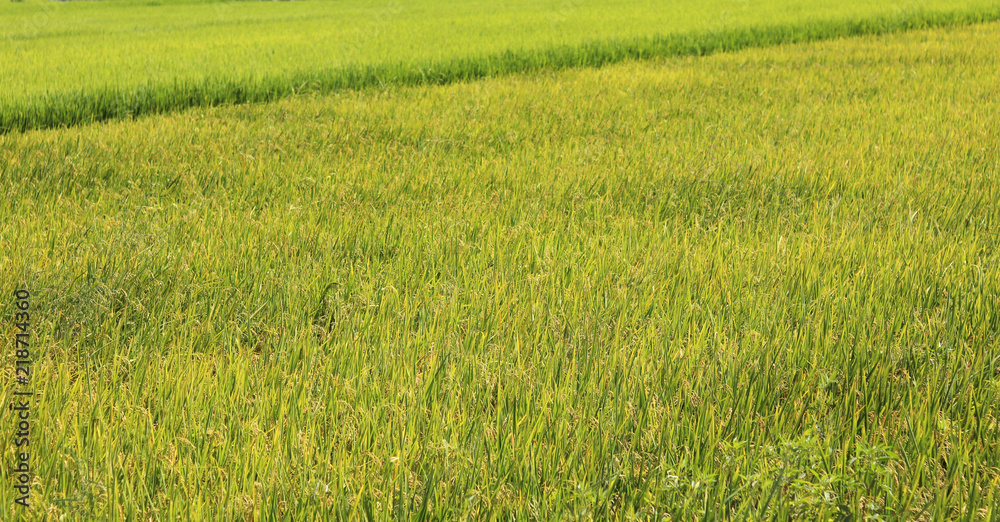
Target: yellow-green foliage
[[752, 284], [65, 63]]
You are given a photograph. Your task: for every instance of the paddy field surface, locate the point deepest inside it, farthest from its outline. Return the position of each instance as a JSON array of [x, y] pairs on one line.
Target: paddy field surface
[[758, 284], [66, 63]]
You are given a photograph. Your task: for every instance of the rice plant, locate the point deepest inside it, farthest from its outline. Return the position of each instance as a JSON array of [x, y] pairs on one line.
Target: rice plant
[[63, 64], [758, 284]]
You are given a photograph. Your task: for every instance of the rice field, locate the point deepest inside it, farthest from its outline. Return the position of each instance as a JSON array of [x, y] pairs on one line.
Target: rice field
[[756, 284], [67, 63]]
